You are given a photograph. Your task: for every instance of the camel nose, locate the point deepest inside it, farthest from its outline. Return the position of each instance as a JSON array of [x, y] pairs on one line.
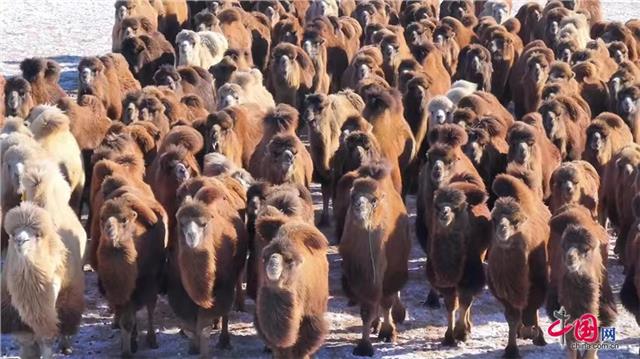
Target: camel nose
[[568, 187], [388, 50], [274, 266], [144, 114], [181, 172], [441, 117], [190, 232], [228, 101], [477, 64], [288, 156], [122, 13], [522, 147], [438, 168], [627, 105], [415, 36], [308, 115], [501, 15], [494, 47], [359, 203], [571, 257], [364, 71], [596, 142], [13, 100], [20, 239], [85, 75]]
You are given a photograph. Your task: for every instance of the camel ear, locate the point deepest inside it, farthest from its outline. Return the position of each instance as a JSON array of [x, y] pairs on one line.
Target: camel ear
[[227, 122], [268, 226], [315, 241], [303, 60], [394, 19], [145, 140], [210, 195], [146, 24], [613, 121], [147, 215], [475, 196], [506, 185], [572, 108], [221, 118], [590, 171]]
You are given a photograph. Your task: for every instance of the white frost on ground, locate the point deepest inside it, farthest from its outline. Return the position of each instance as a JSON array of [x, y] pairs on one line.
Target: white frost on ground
[[68, 30]]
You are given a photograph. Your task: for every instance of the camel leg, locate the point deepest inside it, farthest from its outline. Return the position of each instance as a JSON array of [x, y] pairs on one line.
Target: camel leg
[[368, 312], [514, 319], [388, 329], [151, 332], [451, 305], [463, 326], [224, 341]]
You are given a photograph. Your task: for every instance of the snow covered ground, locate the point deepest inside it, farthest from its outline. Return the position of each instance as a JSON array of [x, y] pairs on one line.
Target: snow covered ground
[[67, 30]]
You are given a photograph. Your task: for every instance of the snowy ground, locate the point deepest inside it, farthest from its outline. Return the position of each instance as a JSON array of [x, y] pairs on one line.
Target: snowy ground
[[69, 30]]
